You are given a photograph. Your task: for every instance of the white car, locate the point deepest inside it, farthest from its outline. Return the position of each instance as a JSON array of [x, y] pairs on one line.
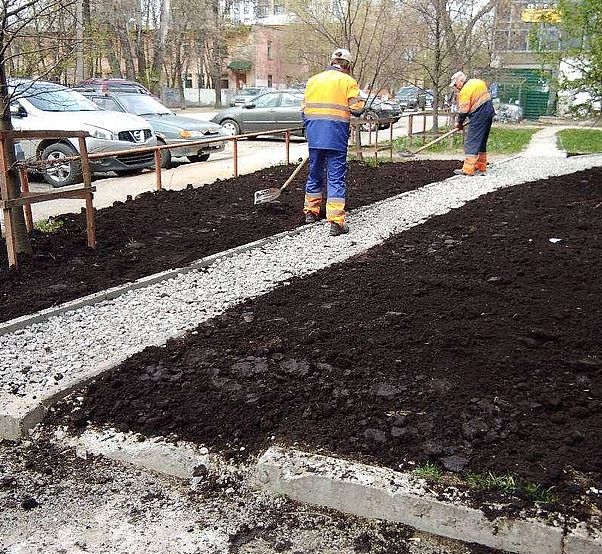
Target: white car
[[40, 106]]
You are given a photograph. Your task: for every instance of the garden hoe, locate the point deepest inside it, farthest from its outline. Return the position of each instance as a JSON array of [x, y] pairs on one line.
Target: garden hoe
[[409, 154], [269, 195]]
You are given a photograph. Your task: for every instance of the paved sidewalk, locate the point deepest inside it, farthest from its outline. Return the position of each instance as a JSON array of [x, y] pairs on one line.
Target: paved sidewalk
[[543, 144]]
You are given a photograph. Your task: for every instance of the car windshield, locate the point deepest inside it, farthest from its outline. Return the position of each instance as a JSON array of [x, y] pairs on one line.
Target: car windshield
[[142, 104], [249, 92], [55, 99]]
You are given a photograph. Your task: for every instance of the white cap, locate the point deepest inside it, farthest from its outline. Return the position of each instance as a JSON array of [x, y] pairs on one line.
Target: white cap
[[341, 54], [457, 76]]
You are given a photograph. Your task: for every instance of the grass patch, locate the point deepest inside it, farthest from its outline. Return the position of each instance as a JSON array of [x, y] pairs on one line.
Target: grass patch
[[582, 141], [502, 140], [428, 470], [510, 485], [50, 225]]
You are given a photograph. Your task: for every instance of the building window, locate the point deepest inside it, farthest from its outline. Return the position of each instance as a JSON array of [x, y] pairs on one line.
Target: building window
[[263, 8], [188, 81], [270, 53], [278, 7], [270, 81]]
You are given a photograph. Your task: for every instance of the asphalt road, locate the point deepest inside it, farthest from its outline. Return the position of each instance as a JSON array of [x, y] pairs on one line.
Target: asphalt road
[[252, 156]]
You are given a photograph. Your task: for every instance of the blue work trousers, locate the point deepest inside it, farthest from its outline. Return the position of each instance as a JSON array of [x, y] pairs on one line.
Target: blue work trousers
[[478, 131], [329, 165]]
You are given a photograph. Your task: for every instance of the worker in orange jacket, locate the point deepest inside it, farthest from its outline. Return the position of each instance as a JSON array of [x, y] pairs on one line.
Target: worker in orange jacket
[[330, 97], [474, 103]]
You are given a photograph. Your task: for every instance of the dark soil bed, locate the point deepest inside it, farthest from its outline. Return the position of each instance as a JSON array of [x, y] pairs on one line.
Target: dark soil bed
[[159, 231], [474, 336]]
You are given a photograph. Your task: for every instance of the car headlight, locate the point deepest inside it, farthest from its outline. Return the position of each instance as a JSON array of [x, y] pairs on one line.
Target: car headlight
[[99, 133], [185, 133]]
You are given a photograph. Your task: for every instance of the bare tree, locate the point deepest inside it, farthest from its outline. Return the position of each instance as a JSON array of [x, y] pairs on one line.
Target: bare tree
[[371, 29], [20, 21]]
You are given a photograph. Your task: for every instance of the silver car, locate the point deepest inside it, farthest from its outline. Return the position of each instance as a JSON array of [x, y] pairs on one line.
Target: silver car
[[169, 127], [38, 106], [266, 113]]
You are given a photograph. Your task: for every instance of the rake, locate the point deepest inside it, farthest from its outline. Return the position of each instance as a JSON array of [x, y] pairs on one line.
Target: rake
[[409, 154], [269, 195]]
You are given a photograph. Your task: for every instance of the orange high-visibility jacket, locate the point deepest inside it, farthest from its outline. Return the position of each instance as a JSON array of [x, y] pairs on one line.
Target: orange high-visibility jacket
[[473, 94], [326, 114]]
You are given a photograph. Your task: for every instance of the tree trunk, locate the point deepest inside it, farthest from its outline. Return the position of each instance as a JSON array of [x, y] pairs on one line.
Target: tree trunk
[[13, 185], [160, 46]]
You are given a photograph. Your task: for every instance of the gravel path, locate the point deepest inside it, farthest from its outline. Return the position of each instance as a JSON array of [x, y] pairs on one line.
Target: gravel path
[[43, 357]]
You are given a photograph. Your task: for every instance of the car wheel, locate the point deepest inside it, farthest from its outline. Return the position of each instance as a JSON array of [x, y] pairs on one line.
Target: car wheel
[[231, 127], [165, 156], [371, 123], [201, 158], [65, 173]]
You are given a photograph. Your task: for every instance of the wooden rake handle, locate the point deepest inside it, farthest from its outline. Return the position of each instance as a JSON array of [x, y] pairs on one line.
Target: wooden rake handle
[[294, 174], [438, 139]]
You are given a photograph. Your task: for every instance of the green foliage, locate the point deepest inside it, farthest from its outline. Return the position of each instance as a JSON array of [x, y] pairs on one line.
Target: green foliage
[[537, 493], [50, 225], [583, 141], [491, 482], [372, 161], [502, 140], [428, 470], [580, 29], [511, 485]]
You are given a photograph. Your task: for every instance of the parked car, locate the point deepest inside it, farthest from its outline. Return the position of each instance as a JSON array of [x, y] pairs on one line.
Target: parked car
[[412, 98], [40, 105], [245, 95], [265, 113], [378, 108], [169, 127], [114, 84]]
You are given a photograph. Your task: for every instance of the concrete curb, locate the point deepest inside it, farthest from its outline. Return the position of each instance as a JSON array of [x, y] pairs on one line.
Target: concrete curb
[[19, 415], [114, 292], [22, 322], [180, 460], [379, 493], [350, 487]]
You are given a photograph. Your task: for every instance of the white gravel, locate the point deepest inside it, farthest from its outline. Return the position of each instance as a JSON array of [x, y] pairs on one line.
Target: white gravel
[[41, 358]]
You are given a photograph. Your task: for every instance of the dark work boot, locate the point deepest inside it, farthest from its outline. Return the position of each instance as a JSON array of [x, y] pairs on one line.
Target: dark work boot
[[336, 229], [311, 217]]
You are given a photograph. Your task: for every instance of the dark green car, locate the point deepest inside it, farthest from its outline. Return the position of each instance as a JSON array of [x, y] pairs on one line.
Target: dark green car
[[170, 128]]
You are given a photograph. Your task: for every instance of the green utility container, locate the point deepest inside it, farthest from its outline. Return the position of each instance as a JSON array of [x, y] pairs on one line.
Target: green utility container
[[528, 86]]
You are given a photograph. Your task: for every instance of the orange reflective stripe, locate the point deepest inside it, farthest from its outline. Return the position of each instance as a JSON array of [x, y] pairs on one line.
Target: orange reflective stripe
[[312, 203], [330, 116], [335, 211], [469, 165], [318, 105], [481, 163], [328, 94]]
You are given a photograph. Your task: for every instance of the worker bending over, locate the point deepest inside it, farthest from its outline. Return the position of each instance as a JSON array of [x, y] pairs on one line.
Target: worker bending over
[[474, 102], [329, 98]]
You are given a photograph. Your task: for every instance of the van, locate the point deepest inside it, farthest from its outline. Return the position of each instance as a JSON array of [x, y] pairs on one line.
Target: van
[[40, 106]]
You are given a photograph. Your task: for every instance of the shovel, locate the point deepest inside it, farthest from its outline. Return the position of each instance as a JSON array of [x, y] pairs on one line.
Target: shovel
[[269, 195], [408, 154]]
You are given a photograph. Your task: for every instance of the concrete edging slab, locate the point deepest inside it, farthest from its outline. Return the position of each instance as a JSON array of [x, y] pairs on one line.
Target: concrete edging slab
[[155, 454], [372, 492], [114, 292], [18, 415]]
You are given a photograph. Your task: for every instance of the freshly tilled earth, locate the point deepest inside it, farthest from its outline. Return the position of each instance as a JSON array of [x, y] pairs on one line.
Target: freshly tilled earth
[[159, 231], [471, 341]]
